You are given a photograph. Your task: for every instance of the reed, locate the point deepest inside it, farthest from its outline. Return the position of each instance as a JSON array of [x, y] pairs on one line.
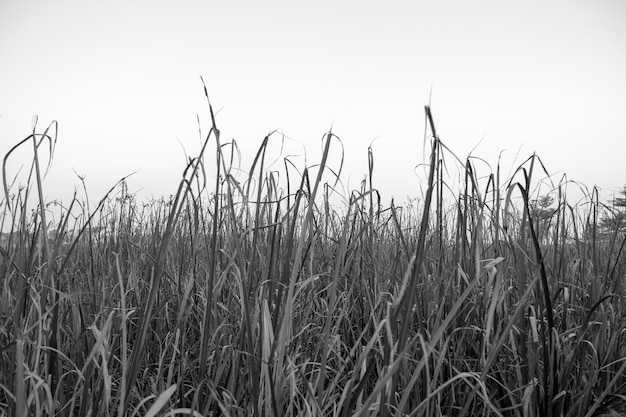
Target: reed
[[259, 297]]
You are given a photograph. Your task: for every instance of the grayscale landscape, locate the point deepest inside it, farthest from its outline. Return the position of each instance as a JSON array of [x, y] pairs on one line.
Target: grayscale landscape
[[325, 209]]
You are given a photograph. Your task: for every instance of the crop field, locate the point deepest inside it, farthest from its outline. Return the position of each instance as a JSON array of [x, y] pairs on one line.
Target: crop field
[[241, 298]]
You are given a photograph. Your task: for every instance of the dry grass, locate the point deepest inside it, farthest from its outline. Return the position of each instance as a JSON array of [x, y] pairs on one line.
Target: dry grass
[[248, 299]]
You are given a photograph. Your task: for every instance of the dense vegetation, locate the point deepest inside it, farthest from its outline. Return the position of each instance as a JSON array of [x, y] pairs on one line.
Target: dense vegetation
[[245, 298]]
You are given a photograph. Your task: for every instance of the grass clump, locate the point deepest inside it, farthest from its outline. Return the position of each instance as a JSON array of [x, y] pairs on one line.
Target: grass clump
[[245, 298]]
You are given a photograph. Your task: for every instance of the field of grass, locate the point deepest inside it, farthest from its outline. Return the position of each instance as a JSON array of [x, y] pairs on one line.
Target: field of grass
[[243, 298]]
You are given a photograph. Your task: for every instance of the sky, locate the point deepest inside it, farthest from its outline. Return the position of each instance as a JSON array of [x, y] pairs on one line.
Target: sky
[[503, 78]]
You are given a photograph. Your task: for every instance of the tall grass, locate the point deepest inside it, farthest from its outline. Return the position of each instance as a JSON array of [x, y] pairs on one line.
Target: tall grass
[[245, 298]]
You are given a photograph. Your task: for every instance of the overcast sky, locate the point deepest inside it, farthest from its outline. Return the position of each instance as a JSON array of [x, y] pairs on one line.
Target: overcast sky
[[122, 78]]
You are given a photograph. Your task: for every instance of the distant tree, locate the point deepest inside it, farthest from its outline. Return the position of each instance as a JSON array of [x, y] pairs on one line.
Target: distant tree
[[616, 219], [541, 208], [541, 212]]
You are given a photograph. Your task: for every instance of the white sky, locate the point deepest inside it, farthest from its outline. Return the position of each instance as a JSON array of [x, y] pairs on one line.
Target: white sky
[[122, 80]]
